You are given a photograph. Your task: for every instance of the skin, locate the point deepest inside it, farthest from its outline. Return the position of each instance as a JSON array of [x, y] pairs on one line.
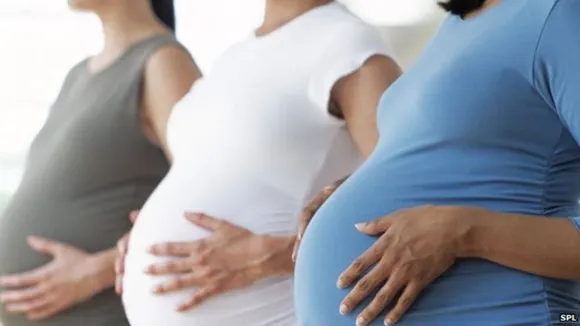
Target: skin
[[74, 275], [233, 257], [415, 246], [169, 75]]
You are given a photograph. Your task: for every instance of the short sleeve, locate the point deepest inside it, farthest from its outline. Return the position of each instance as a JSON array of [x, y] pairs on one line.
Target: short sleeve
[[557, 63], [343, 55], [557, 67]]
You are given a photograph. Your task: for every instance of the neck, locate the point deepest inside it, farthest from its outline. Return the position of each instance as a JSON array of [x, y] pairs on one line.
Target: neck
[[483, 6], [124, 26], [279, 12]]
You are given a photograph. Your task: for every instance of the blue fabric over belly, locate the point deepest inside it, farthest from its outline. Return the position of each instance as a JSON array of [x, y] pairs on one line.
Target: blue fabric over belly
[[473, 292], [488, 116]]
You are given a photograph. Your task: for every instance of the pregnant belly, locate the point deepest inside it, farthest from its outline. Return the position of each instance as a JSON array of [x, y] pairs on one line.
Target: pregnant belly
[[269, 302], [473, 292], [92, 224]]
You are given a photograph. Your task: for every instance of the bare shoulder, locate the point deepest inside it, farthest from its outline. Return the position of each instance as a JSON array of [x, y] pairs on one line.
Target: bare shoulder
[[171, 66], [374, 76], [169, 75], [379, 65], [172, 56]]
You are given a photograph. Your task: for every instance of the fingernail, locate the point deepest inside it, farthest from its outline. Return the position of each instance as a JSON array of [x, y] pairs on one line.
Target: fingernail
[[340, 284], [388, 322], [360, 321], [343, 309]]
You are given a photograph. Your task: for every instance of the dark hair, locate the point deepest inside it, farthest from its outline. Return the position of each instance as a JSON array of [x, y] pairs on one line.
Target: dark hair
[[461, 7], [165, 11]]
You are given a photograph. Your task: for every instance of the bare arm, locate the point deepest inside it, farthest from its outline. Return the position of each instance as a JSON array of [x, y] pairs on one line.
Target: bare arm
[[539, 245], [357, 97], [542, 245], [279, 256], [72, 276], [102, 263], [169, 75]]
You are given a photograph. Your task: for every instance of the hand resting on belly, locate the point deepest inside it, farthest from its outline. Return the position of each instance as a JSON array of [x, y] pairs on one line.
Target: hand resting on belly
[[231, 258]]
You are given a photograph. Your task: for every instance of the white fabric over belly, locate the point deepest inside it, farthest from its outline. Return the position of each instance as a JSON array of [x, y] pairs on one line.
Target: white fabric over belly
[[162, 219], [252, 141]]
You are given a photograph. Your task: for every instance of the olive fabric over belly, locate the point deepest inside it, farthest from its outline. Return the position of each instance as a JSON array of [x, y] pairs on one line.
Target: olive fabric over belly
[[87, 168], [92, 223]]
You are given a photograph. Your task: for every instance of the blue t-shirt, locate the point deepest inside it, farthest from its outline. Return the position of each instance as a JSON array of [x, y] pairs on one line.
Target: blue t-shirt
[[489, 116]]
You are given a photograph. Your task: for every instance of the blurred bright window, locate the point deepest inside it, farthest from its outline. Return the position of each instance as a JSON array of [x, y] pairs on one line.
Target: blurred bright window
[[41, 40]]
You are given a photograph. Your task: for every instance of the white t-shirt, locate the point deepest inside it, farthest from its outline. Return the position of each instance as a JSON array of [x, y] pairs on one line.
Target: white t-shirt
[[252, 142]]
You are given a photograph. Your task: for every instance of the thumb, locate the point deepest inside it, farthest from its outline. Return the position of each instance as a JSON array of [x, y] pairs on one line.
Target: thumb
[[45, 246], [374, 227], [133, 215]]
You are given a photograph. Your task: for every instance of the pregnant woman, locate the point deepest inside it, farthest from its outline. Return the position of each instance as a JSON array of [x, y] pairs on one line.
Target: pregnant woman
[[251, 143], [477, 175], [95, 159]]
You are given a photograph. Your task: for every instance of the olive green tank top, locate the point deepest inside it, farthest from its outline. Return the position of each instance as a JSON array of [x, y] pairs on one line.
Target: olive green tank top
[[88, 167]]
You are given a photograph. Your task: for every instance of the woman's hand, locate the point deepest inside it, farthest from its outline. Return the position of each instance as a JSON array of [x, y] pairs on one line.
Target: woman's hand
[[231, 258], [309, 211], [122, 246], [416, 246], [73, 276]]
